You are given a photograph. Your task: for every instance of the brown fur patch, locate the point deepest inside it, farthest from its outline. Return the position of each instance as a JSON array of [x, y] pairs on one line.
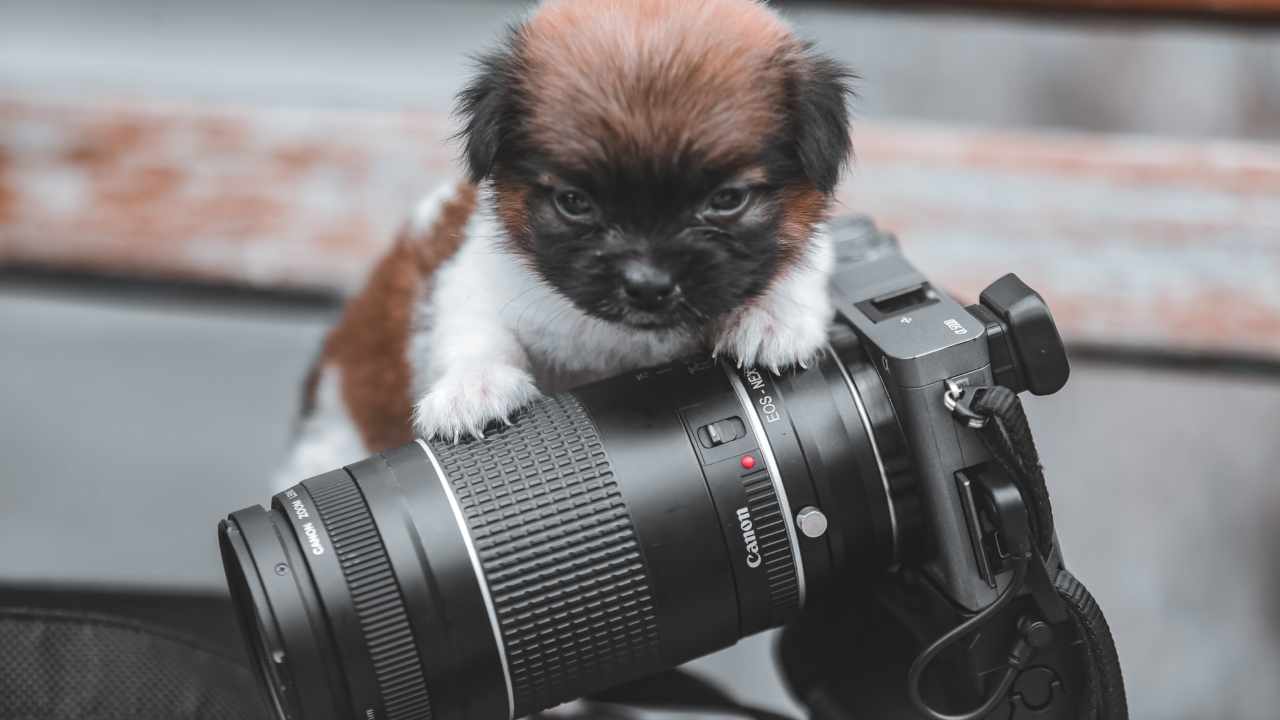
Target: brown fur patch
[[512, 209], [654, 80], [803, 208], [370, 343]]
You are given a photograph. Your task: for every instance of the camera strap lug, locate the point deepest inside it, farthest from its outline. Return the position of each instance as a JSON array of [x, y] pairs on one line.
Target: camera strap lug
[[959, 401]]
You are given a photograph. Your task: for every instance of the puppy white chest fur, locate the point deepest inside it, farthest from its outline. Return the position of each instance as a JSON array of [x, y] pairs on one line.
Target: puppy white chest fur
[[491, 334]]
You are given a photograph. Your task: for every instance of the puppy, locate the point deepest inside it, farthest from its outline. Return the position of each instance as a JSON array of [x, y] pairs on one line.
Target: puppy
[[647, 179]]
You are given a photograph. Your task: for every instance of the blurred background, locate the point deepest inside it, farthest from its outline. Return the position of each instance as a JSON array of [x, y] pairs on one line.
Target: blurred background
[[187, 190]]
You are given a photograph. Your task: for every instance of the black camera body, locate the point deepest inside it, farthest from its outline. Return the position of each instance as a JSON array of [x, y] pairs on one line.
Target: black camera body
[[925, 347], [921, 341], [630, 525]]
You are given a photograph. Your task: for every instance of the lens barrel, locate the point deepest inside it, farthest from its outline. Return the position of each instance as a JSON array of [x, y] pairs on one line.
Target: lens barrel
[[610, 533]]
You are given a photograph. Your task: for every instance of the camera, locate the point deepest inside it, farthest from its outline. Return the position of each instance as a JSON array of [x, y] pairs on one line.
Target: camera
[[627, 526]]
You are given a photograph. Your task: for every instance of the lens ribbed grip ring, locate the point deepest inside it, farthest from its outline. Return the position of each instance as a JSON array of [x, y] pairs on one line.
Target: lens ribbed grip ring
[[559, 553], [375, 596], [775, 544]]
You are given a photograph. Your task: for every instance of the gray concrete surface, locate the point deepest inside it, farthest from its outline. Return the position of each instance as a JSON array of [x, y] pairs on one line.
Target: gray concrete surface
[[129, 428]]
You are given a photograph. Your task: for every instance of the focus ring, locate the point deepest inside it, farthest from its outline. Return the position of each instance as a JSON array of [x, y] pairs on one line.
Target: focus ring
[[775, 545], [375, 596], [559, 553]]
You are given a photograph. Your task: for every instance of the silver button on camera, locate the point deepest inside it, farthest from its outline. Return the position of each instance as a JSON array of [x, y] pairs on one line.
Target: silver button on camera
[[812, 523]]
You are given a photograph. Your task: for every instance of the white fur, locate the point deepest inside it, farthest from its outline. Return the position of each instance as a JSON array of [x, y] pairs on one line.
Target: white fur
[[493, 333], [788, 325], [465, 399], [327, 438], [428, 208]]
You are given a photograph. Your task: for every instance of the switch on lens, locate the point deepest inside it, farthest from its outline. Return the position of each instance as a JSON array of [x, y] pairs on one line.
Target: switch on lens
[[721, 431]]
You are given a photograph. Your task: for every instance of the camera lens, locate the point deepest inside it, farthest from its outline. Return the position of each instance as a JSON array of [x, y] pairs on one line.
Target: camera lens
[[610, 533]]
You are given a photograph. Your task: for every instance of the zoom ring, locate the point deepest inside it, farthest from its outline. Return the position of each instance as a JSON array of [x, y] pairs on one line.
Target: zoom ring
[[376, 597], [559, 552], [775, 545]]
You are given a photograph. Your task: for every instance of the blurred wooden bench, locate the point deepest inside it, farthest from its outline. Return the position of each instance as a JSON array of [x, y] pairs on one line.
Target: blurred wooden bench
[[1135, 241]]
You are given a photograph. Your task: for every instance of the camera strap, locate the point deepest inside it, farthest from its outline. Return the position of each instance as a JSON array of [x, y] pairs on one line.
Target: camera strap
[[997, 413], [1007, 435], [1104, 698]]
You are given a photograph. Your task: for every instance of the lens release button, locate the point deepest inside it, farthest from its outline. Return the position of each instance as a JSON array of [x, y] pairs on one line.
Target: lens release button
[[812, 522], [722, 431]]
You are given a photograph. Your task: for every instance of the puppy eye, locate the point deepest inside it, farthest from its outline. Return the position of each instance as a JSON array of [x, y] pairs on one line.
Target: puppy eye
[[574, 204], [728, 201]]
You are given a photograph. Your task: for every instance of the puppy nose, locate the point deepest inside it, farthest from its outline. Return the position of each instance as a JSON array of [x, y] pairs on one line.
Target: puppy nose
[[647, 286]]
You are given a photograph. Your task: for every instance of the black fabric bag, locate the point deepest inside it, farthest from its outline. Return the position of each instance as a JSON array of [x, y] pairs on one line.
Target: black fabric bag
[[62, 665]]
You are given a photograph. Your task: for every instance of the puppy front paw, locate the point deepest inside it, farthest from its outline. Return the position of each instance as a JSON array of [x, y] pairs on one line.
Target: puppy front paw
[[463, 402], [756, 337]]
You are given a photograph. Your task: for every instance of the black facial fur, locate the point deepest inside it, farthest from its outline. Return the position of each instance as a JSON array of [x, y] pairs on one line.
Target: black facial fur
[[489, 106], [654, 225]]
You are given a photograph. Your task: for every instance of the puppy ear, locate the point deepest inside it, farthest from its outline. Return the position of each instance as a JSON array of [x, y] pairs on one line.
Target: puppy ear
[[486, 107], [819, 93]]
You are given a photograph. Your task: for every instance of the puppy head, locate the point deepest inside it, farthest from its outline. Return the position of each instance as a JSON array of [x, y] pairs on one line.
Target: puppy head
[[659, 162]]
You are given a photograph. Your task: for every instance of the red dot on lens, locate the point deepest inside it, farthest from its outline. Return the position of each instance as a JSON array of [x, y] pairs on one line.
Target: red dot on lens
[[748, 462]]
